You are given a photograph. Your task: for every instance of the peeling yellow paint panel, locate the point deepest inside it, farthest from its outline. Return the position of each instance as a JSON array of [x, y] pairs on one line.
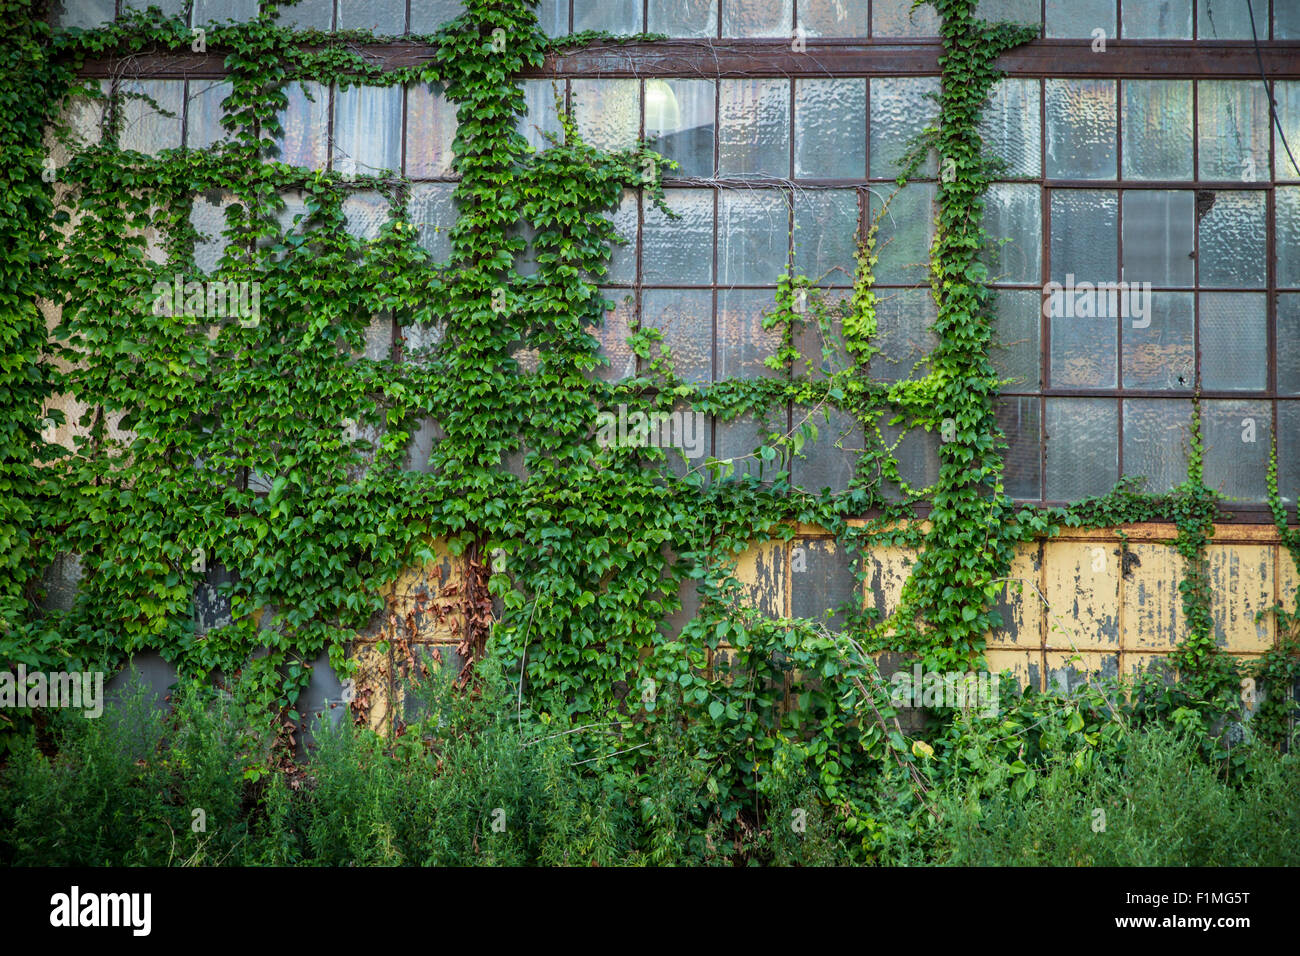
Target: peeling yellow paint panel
[[1241, 585], [1082, 594], [1153, 605]]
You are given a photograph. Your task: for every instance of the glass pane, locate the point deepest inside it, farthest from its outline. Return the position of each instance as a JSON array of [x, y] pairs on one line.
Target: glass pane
[[739, 439], [679, 123], [826, 235], [1022, 462], [683, 18], [1224, 20], [607, 112], [685, 317], [904, 322], [208, 217], [1085, 235], [1288, 343], [1286, 21], [823, 353], [830, 460], [1084, 352], [1013, 211], [211, 11], [305, 126], [1012, 126], [679, 251], [1159, 237], [1082, 447], [1288, 236], [308, 15], [1081, 134], [743, 343], [1018, 11], [1233, 243], [1015, 354], [1288, 448], [900, 110], [541, 121], [1233, 118], [755, 128], [905, 233], [613, 335], [1157, 441], [84, 14], [757, 18], [830, 129], [145, 128], [1237, 436], [1234, 341], [367, 130], [1163, 353], [430, 131], [381, 17], [621, 269], [1158, 129], [1158, 19], [1287, 94], [917, 454], [1078, 18], [833, 18], [897, 18], [431, 209], [365, 214], [553, 17], [613, 16], [753, 234], [170, 8], [428, 15], [203, 114]]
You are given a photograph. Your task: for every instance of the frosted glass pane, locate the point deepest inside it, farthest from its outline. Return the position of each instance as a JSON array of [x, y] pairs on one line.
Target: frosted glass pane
[[743, 343], [367, 130], [621, 268], [1012, 126], [1287, 94], [1159, 237], [145, 127], [826, 235], [1237, 436], [1158, 19], [1157, 441], [553, 17], [1081, 132], [685, 317], [619, 17], [1288, 236], [212, 11], [1288, 343], [905, 233], [679, 123], [308, 15], [607, 112], [1233, 119], [757, 18], [904, 323], [170, 8], [740, 438], [1163, 354], [208, 217], [900, 110], [613, 335], [833, 18], [203, 114], [917, 454], [683, 18], [754, 139], [430, 132], [821, 353], [83, 14], [1013, 211], [1085, 235], [431, 209], [679, 251], [543, 100], [1234, 251], [1084, 352], [1015, 354], [1288, 451], [1018, 11], [365, 214], [428, 15], [753, 234], [1234, 341], [896, 18], [380, 17], [1286, 21], [1078, 18], [1230, 19], [304, 126], [1082, 447], [1158, 129], [1022, 459], [830, 129]]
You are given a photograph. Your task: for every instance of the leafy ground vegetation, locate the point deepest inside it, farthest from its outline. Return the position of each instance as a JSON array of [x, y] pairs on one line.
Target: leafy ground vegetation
[[583, 730]]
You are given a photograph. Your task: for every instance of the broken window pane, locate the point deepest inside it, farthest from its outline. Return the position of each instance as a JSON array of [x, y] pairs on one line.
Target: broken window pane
[[830, 129], [1082, 447], [1159, 237], [754, 134], [1234, 341], [679, 124], [367, 130], [1081, 130], [1158, 129]]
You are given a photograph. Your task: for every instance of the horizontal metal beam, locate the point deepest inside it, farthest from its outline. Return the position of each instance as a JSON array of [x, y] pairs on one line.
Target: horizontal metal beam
[[846, 57]]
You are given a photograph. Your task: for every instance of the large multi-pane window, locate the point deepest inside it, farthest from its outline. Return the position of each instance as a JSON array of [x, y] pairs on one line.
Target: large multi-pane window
[[1169, 176]]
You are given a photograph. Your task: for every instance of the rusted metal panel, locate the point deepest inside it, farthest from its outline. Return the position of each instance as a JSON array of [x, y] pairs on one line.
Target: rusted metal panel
[[762, 569], [1152, 611], [1025, 666], [1067, 671], [1241, 586]]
